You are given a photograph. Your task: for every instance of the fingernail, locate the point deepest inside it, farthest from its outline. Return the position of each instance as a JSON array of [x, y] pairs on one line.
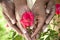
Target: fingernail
[[47, 11], [24, 31], [45, 30], [13, 21]]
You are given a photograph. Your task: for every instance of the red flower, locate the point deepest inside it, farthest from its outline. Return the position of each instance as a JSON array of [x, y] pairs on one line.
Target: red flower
[[57, 9], [27, 19]]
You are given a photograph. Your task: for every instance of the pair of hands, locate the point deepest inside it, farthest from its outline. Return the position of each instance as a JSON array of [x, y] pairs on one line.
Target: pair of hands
[[13, 10]]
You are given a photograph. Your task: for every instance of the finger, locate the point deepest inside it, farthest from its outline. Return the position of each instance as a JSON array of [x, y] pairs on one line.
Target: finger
[[20, 8], [51, 15], [33, 27], [39, 27], [24, 31], [8, 8], [14, 27], [38, 9], [26, 35], [49, 6], [39, 12], [48, 19]]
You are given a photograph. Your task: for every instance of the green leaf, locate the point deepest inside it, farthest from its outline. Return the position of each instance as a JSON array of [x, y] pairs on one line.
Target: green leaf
[[19, 38], [42, 39], [47, 38]]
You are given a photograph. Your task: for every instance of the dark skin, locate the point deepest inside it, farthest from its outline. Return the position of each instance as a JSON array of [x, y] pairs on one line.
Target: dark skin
[[50, 4], [48, 19], [40, 14], [6, 14], [8, 8], [9, 13], [38, 10], [20, 7], [14, 27]]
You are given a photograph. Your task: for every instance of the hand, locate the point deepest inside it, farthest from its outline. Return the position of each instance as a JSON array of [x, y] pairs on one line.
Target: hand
[[40, 13], [20, 8], [12, 9], [9, 14], [48, 19], [17, 8], [8, 8]]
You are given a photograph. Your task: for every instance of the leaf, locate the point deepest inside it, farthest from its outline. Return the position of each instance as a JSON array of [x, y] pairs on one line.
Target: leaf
[[42, 39], [49, 26], [19, 38], [47, 38]]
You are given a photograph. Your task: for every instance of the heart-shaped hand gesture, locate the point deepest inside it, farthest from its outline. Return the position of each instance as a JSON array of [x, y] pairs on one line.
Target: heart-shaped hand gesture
[[22, 19]]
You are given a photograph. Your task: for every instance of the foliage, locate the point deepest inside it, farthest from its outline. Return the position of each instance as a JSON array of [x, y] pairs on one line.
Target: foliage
[[49, 35], [18, 38]]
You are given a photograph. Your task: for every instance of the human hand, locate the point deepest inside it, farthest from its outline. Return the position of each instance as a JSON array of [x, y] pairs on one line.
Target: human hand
[[41, 9], [9, 14], [21, 6], [21, 12]]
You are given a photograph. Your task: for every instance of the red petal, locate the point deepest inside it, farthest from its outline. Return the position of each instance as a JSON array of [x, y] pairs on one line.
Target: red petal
[[57, 9], [28, 19]]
